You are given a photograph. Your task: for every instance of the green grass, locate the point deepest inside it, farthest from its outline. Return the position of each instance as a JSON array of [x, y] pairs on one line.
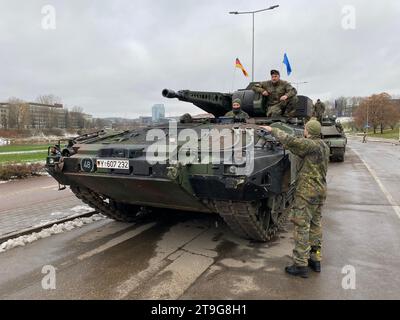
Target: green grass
[[387, 134], [20, 158], [24, 147]]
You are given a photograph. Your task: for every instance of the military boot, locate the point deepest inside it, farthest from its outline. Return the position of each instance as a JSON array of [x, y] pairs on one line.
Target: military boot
[[314, 265], [299, 271], [314, 262]]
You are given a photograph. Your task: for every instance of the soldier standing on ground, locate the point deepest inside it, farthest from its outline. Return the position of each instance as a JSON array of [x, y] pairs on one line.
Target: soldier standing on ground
[[365, 137], [309, 196], [281, 96], [319, 110], [237, 113]]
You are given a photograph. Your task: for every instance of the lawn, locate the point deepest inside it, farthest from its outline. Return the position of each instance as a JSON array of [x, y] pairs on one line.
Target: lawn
[[387, 134], [23, 147], [20, 158]]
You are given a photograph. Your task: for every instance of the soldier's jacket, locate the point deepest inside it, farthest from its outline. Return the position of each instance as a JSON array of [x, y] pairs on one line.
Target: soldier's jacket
[[275, 90], [240, 116], [339, 127], [314, 155], [319, 109]]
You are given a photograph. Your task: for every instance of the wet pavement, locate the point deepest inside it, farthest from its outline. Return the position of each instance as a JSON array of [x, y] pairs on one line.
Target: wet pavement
[[194, 256]]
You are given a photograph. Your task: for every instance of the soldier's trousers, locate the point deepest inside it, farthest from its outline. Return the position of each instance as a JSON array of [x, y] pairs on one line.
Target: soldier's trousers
[[307, 231], [286, 108]]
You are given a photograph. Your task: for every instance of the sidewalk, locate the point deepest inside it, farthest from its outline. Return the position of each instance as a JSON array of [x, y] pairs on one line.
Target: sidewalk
[[375, 139], [23, 218], [21, 152], [33, 202]]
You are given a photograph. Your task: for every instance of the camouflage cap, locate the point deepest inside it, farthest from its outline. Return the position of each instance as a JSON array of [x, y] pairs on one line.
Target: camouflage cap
[[275, 72], [313, 127], [186, 118], [237, 100]]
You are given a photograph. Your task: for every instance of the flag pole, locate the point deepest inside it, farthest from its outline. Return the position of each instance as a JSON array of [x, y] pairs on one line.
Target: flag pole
[[233, 78]]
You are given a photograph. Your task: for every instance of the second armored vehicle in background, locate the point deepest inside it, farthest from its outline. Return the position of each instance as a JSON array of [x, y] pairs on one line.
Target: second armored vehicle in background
[[334, 136]]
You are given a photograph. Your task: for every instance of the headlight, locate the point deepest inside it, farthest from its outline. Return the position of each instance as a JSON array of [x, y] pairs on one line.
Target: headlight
[[233, 169], [51, 160]]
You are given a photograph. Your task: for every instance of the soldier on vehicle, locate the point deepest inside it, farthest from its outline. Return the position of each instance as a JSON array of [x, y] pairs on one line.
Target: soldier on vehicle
[[54, 151], [186, 118], [339, 126], [319, 110], [237, 113], [281, 96], [309, 196]]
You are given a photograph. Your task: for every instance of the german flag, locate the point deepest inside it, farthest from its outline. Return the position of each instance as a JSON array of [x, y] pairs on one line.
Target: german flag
[[239, 65]]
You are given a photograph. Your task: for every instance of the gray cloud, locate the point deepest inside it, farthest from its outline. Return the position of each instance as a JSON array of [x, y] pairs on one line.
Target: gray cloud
[[113, 58]]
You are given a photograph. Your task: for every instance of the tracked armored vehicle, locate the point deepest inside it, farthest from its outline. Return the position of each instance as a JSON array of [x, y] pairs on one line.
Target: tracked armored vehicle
[[248, 179], [334, 136]]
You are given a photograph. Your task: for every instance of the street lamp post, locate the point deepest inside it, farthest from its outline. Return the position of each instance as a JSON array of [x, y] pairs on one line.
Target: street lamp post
[[297, 84], [253, 16]]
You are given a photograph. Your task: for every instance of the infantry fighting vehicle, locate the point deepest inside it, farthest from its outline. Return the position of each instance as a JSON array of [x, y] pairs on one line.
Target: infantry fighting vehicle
[[334, 136], [248, 179]]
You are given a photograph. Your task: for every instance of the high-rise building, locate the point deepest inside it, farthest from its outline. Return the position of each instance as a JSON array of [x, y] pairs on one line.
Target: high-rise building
[[158, 112]]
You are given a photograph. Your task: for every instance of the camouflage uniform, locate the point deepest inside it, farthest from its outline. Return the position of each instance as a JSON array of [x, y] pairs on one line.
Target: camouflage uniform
[[277, 108], [241, 115], [319, 110], [309, 196], [339, 127], [364, 137]]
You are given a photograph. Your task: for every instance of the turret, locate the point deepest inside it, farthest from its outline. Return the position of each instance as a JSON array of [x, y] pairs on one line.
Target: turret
[[219, 104]]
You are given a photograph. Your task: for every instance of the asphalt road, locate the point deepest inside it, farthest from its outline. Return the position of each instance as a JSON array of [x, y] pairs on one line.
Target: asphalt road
[[192, 256]]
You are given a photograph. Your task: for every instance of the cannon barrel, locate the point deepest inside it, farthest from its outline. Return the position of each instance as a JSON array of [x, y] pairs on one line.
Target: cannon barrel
[[218, 104], [167, 93]]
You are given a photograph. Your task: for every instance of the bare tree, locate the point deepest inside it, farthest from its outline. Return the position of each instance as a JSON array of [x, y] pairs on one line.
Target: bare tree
[[375, 110], [18, 114], [49, 99], [392, 115]]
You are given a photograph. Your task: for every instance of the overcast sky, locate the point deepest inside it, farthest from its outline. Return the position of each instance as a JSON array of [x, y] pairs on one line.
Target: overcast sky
[[113, 58]]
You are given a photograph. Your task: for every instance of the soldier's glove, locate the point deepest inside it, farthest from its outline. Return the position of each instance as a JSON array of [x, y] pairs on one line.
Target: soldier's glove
[[263, 133], [265, 137]]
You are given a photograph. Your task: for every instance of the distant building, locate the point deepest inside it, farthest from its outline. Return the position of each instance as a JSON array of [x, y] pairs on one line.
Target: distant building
[[146, 120], [350, 106], [46, 116], [346, 106], [3, 116], [158, 113], [42, 116]]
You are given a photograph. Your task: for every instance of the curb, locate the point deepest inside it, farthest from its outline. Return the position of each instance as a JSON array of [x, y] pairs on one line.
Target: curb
[[30, 230], [395, 142]]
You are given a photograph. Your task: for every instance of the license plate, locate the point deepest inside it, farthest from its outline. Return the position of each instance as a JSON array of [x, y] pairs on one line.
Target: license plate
[[113, 164]]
